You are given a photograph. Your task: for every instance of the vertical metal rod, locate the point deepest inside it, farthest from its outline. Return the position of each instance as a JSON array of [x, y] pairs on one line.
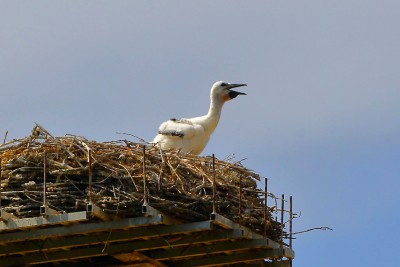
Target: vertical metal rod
[[282, 212], [265, 205], [90, 175], [44, 179], [1, 178], [240, 197], [145, 195], [291, 222], [214, 185], [265, 198]]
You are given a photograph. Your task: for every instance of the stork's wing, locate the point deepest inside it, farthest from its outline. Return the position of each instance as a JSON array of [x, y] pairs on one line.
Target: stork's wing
[[180, 128]]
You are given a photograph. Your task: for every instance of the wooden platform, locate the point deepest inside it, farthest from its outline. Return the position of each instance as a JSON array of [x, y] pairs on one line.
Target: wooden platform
[[84, 239]]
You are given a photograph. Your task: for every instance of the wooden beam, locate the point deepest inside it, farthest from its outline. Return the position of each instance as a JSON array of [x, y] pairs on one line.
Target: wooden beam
[[280, 263], [205, 235], [97, 212], [5, 216], [221, 259], [215, 242], [65, 218], [228, 224], [46, 211], [150, 211], [83, 228], [207, 249], [136, 256], [73, 253]]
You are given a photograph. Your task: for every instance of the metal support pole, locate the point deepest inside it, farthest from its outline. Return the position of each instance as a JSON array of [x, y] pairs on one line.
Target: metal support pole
[[282, 213], [4, 216], [214, 185], [44, 179], [1, 177], [90, 175], [91, 208], [240, 197], [265, 205], [145, 194], [291, 223], [265, 198], [43, 208]]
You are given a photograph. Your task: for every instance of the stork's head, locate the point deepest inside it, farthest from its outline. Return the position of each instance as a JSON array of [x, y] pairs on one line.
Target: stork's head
[[223, 90]]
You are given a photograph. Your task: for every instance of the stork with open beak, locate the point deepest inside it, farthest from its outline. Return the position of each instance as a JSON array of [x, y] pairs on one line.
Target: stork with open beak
[[192, 135]]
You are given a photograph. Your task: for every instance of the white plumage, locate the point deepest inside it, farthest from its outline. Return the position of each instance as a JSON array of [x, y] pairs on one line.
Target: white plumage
[[192, 135]]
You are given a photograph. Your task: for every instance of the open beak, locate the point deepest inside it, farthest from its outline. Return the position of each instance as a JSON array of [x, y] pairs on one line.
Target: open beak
[[232, 93]]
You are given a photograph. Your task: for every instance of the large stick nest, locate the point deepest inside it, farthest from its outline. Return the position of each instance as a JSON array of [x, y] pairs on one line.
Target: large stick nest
[[178, 185]]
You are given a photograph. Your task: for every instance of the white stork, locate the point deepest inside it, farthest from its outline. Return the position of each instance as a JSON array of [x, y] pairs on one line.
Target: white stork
[[192, 135]]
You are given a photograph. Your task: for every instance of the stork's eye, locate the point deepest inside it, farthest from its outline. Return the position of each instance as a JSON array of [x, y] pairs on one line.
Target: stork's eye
[[224, 84]]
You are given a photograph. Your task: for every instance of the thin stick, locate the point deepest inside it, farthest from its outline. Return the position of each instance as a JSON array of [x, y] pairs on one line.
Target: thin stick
[[140, 139], [145, 195], [324, 228], [214, 186], [5, 137]]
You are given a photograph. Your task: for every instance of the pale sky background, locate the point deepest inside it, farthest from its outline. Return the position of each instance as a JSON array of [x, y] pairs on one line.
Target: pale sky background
[[321, 118]]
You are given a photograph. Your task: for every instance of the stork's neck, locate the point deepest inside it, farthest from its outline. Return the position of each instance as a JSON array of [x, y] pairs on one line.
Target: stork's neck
[[214, 114]]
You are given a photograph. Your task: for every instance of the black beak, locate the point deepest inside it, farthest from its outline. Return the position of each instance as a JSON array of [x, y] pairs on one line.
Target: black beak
[[232, 93], [233, 85]]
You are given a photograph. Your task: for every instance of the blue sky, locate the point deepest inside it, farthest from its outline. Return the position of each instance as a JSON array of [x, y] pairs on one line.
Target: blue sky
[[321, 118]]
